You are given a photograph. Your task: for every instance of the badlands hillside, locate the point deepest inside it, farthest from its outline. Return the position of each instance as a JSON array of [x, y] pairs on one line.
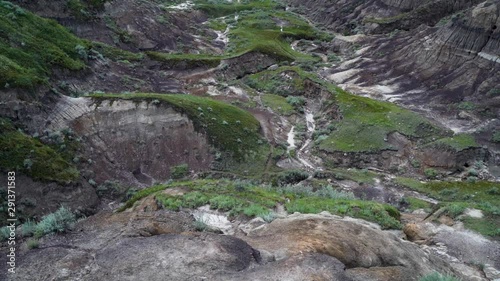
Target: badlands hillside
[[347, 140]]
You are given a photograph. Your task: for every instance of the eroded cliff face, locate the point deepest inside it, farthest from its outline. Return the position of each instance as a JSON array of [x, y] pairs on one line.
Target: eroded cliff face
[[433, 69], [134, 143], [376, 17]]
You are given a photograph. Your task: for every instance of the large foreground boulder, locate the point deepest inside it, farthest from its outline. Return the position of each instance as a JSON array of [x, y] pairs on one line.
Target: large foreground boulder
[[162, 245]]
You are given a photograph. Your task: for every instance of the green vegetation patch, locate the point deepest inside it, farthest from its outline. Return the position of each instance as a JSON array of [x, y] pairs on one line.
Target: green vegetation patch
[[220, 8], [489, 226], [261, 27], [84, 9], [259, 30], [116, 54], [21, 152], [278, 104], [385, 215], [256, 30], [457, 196], [357, 175], [415, 204], [30, 46], [241, 197], [59, 221], [495, 137], [438, 277], [283, 81], [457, 142], [367, 122], [228, 128], [180, 171], [185, 61]]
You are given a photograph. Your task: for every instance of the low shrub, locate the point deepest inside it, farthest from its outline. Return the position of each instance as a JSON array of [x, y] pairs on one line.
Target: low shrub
[[32, 243], [200, 224], [454, 210], [431, 173], [180, 171], [496, 137], [438, 277], [292, 176], [59, 221]]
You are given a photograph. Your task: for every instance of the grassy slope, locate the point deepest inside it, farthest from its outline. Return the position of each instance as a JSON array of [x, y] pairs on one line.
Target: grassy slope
[[456, 196], [457, 142], [252, 200], [366, 122], [277, 104], [30, 46], [21, 152]]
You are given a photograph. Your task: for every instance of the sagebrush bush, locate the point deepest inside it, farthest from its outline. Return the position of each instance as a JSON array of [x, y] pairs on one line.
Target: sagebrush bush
[[256, 210], [438, 277], [32, 243], [28, 228], [200, 224], [59, 221], [293, 176], [269, 217], [180, 171], [431, 173], [454, 210], [329, 192], [4, 233]]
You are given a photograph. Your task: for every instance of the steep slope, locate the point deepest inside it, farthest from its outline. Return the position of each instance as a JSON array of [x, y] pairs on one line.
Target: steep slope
[[451, 71]]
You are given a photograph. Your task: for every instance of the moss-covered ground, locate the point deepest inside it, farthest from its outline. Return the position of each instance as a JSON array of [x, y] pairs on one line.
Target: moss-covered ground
[[30, 46], [24, 153]]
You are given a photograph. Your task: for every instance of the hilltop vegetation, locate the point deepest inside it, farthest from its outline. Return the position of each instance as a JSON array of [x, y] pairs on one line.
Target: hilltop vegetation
[[30, 46], [246, 198], [24, 153]]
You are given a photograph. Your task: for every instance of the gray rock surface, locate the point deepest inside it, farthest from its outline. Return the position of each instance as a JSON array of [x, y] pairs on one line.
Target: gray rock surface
[[123, 246]]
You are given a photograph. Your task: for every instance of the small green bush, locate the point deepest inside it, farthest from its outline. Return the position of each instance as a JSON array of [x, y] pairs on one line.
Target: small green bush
[[329, 192], [28, 228], [200, 225], [292, 176], [431, 173], [496, 137], [59, 221], [225, 203], [180, 171], [269, 217], [466, 105], [454, 210], [473, 172], [4, 233], [32, 243], [296, 101], [493, 191], [256, 210], [438, 277]]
